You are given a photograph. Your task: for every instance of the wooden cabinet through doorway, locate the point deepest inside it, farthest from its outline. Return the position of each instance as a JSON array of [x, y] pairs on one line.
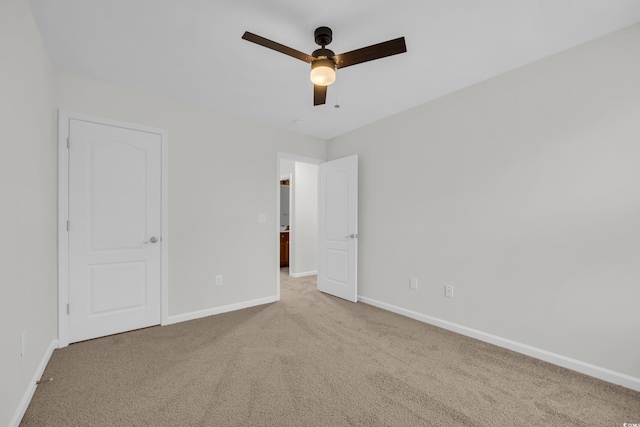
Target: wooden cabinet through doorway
[[284, 249]]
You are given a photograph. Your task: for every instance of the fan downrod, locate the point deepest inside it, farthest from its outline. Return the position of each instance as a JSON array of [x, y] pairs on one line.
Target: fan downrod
[[323, 36]]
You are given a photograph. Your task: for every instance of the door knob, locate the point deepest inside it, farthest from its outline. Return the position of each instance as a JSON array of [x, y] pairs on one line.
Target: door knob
[[154, 239], [351, 236]]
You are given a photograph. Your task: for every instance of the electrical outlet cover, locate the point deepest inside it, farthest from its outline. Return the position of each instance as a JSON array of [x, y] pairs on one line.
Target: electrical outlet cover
[[448, 291]]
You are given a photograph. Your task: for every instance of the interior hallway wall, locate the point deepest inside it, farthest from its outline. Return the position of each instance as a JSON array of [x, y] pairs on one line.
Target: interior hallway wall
[[305, 220]]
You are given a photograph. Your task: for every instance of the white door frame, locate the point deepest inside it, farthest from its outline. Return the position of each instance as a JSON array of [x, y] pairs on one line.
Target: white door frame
[[63, 215], [296, 158]]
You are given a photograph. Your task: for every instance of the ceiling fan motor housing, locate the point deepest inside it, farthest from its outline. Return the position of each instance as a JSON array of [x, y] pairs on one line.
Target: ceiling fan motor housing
[[323, 36]]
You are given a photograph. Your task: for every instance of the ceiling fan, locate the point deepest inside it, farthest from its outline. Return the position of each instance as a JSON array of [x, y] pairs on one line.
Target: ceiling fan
[[324, 62]]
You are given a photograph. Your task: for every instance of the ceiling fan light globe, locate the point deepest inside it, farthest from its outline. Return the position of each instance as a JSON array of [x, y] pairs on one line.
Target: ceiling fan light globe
[[323, 72]]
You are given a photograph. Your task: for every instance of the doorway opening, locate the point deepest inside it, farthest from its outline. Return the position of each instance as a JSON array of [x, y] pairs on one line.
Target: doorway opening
[[285, 224], [331, 243], [297, 213]]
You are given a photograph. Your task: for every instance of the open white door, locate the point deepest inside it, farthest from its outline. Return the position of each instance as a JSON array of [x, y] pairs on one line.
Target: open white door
[[338, 228]]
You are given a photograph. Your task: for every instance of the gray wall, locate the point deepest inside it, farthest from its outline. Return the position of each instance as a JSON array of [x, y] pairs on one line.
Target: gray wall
[[222, 173], [523, 192], [29, 207]]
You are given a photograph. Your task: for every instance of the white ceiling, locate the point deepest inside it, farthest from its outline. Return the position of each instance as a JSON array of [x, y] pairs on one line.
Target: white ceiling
[[191, 50]]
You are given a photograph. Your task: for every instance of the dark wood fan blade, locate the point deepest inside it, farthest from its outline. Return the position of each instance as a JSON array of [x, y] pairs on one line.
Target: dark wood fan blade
[[369, 53], [319, 95], [277, 47]]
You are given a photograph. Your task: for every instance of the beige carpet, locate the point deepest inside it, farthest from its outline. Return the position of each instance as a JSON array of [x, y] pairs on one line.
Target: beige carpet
[[314, 360]]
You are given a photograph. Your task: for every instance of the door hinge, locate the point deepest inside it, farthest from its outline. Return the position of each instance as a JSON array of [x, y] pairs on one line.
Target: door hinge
[[67, 308], [67, 225], [68, 142]]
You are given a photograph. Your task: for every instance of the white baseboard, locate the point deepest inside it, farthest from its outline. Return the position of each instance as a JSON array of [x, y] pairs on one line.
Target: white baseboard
[[28, 394], [218, 310], [547, 356], [303, 274]]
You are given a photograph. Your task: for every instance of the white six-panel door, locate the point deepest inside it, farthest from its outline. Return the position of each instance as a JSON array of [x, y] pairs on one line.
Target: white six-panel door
[[114, 229], [338, 228]]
